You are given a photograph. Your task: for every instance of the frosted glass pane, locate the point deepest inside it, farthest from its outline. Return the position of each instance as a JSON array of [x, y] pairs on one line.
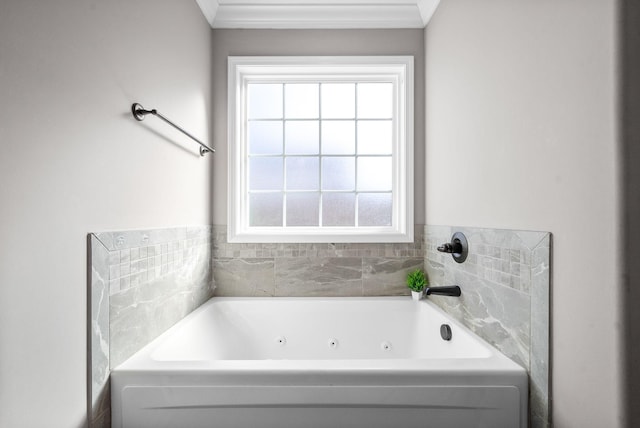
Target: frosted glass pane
[[302, 173], [303, 209], [302, 137], [338, 137], [374, 209], [375, 137], [301, 101], [374, 173], [338, 100], [338, 173], [265, 138], [265, 174], [338, 209], [265, 101], [265, 209], [375, 100]]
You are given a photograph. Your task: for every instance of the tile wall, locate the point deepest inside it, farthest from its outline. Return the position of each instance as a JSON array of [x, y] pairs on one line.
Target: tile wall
[[505, 285], [314, 269], [141, 282]]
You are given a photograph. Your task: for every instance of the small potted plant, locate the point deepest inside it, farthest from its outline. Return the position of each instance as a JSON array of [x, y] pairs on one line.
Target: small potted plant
[[416, 281]]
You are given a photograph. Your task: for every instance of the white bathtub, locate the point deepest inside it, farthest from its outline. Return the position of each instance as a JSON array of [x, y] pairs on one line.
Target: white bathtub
[[318, 362]]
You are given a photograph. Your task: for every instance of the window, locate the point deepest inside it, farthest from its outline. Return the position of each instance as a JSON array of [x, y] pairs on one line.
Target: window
[[320, 149]]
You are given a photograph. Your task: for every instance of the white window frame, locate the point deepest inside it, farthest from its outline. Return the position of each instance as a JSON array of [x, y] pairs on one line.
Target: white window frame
[[395, 69]]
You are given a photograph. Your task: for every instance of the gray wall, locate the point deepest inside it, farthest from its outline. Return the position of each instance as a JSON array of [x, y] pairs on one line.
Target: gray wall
[[74, 161], [522, 103], [311, 42], [630, 155]]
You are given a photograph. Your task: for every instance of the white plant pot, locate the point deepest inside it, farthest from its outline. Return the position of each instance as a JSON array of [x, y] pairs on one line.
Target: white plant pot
[[416, 295]]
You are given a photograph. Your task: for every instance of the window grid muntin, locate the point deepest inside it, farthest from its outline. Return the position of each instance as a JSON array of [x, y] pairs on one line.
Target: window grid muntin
[[319, 155]]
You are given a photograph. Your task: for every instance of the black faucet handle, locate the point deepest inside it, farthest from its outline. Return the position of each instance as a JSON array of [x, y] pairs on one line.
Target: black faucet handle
[[458, 247], [445, 248], [450, 247]]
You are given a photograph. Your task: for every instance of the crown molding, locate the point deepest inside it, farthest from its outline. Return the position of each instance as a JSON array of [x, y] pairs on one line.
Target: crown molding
[[318, 14], [427, 9]]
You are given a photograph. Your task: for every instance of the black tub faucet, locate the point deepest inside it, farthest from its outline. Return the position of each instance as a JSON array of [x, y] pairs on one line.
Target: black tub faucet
[[449, 290]]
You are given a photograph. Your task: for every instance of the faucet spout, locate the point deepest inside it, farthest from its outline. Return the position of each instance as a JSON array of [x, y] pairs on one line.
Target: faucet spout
[[449, 290]]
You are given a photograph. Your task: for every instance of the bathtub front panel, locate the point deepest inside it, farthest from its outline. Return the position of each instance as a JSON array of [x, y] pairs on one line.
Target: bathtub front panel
[[320, 406]]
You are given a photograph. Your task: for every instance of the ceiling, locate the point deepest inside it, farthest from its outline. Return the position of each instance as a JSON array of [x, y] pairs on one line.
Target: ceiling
[[318, 13]]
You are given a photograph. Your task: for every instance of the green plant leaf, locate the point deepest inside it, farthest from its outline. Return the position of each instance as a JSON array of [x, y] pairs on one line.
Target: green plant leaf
[[416, 280]]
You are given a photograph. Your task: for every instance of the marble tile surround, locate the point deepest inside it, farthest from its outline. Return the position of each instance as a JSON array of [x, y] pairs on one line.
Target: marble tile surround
[[342, 269], [505, 285], [141, 282]]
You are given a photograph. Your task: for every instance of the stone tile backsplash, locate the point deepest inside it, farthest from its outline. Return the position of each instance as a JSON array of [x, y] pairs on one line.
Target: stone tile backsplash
[[141, 282], [339, 269], [505, 284], [132, 267]]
